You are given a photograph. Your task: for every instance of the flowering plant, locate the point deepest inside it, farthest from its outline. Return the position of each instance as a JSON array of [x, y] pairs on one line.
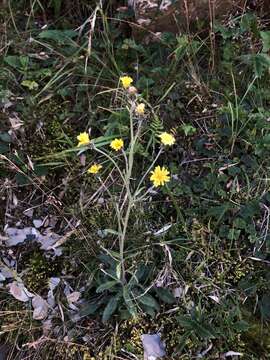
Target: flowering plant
[[120, 152]]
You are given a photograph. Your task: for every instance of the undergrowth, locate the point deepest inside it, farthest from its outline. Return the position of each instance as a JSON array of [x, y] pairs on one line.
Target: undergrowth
[[193, 261]]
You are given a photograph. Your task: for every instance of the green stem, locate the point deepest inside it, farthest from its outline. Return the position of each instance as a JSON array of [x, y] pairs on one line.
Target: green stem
[[180, 216]]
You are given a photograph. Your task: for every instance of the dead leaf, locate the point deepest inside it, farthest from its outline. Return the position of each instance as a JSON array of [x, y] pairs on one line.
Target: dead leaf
[[215, 298], [73, 297], [19, 291], [61, 239], [15, 122], [47, 327], [53, 283], [153, 346], [29, 212], [232, 353], [16, 236], [178, 292], [83, 159], [37, 223], [41, 308]]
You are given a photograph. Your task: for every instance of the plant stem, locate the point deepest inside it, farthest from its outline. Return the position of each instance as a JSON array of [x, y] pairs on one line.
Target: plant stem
[[180, 216]]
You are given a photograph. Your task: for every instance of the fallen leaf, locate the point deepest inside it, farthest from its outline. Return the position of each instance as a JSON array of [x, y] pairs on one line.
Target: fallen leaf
[[37, 223], [178, 292], [29, 212], [15, 122], [215, 298], [17, 236], [232, 353], [163, 230], [153, 346], [19, 291], [47, 327], [73, 297], [53, 283], [41, 308]]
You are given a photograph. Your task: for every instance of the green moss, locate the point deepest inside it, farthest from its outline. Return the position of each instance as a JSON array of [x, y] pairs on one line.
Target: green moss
[[39, 270]]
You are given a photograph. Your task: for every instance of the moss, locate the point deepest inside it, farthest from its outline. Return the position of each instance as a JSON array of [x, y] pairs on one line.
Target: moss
[[46, 121], [39, 270]]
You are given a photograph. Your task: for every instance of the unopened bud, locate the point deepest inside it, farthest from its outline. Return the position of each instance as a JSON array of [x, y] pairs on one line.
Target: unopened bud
[[132, 90]]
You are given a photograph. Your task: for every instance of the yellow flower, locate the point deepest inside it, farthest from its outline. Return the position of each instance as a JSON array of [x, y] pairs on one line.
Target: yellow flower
[[83, 139], [117, 144], [94, 169], [160, 176], [140, 108], [126, 81], [167, 139]]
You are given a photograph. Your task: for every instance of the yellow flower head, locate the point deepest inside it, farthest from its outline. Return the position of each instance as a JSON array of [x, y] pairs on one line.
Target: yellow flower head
[[117, 144], [126, 81], [83, 139], [94, 169], [167, 139], [160, 176], [140, 108]]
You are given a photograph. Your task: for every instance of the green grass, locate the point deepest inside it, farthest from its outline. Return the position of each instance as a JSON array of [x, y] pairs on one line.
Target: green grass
[[214, 254]]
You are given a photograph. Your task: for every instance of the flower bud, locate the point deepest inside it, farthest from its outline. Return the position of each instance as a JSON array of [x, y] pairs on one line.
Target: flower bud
[[132, 90]]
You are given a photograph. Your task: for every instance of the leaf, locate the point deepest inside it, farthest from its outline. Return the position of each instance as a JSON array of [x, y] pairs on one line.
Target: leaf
[[232, 353], [3, 148], [17, 236], [108, 285], [153, 346], [118, 271], [149, 310], [19, 291], [188, 129], [17, 62], [89, 309], [163, 230], [129, 302], [60, 36], [110, 308], [165, 295], [219, 211], [260, 62], [265, 307], [5, 137], [148, 300], [31, 85], [73, 297], [41, 308], [265, 36], [104, 232], [202, 330]]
